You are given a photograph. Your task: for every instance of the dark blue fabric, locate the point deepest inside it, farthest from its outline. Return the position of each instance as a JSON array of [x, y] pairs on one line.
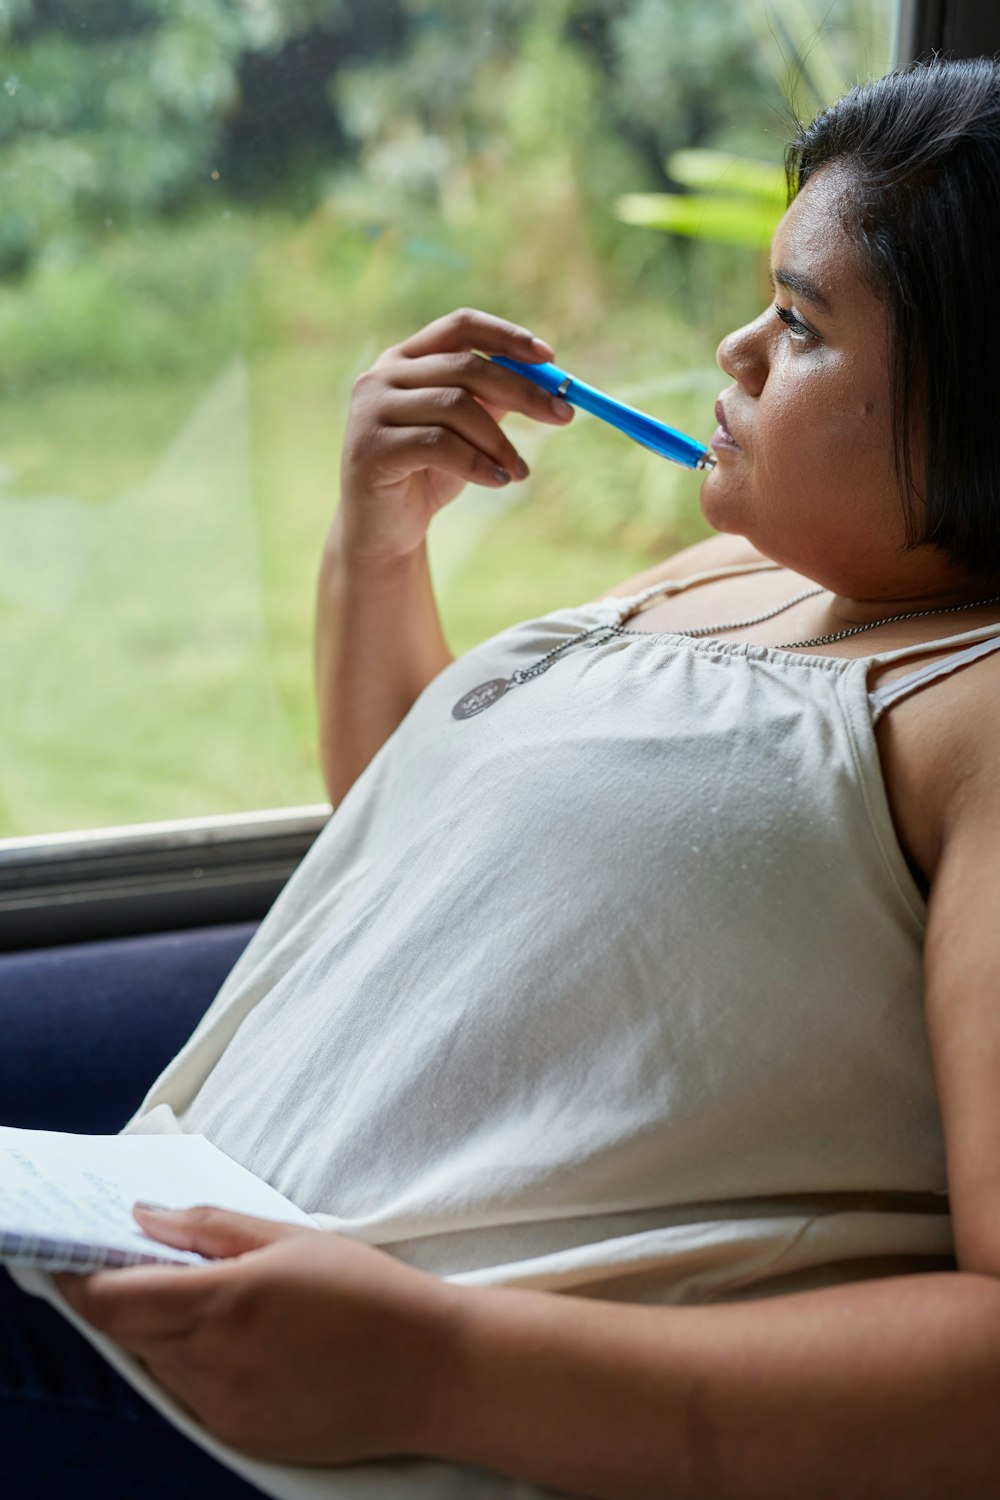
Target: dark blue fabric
[[71, 1427], [85, 1030], [87, 1027]]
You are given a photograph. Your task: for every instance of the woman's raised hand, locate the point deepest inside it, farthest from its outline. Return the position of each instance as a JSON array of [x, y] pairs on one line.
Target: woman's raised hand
[[424, 422]]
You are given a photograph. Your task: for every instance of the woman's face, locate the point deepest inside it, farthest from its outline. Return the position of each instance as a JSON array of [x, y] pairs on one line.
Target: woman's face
[[805, 461]]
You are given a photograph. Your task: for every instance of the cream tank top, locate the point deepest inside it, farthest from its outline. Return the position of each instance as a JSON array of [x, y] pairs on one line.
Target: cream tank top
[[614, 988]]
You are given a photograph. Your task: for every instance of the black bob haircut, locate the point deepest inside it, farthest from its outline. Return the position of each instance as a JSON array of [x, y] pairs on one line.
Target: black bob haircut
[[921, 152]]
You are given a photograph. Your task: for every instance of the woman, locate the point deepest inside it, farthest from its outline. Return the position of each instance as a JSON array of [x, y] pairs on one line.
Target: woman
[[665, 979]]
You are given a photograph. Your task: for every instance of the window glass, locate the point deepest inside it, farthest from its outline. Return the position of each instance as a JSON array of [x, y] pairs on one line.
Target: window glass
[[215, 213]]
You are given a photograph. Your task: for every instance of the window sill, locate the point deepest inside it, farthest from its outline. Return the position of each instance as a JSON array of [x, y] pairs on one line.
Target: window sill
[[149, 877]]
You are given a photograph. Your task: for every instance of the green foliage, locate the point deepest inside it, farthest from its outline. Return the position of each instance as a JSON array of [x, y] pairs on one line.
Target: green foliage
[[811, 53], [115, 112], [689, 72], [700, 168], [149, 306], [213, 215], [817, 49], [744, 202], [113, 128]]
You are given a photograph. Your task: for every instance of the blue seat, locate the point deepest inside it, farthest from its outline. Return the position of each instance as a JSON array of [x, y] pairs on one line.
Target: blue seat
[[86, 1027]]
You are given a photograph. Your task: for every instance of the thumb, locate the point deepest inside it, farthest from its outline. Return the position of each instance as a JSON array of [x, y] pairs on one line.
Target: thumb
[[215, 1232]]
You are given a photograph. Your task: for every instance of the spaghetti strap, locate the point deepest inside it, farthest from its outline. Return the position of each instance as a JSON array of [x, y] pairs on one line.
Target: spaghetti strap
[[882, 698], [920, 648]]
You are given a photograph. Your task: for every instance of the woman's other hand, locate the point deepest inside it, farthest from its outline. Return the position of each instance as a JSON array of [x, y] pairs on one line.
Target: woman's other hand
[[424, 422], [295, 1345]]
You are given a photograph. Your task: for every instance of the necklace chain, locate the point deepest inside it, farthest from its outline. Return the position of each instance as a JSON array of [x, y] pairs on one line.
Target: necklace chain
[[915, 614], [487, 693], [834, 635], [702, 630], [616, 628]]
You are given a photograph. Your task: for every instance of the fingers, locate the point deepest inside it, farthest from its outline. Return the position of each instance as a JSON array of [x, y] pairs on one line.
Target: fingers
[[424, 422], [411, 407], [141, 1302], [214, 1232], [490, 383], [445, 414], [443, 450], [467, 328], [150, 1302]]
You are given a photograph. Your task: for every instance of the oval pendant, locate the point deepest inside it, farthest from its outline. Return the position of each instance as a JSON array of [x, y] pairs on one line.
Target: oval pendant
[[483, 696]]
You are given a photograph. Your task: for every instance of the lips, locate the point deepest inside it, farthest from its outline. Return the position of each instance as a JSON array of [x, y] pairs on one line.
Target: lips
[[722, 437]]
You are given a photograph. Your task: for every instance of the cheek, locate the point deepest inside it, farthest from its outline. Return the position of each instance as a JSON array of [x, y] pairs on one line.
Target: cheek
[[823, 427], [857, 398], [816, 453]]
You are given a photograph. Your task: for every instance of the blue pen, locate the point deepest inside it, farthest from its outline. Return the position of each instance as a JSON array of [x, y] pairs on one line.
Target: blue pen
[[666, 441]]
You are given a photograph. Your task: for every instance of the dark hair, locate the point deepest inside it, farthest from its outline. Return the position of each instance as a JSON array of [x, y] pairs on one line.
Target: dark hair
[[922, 147]]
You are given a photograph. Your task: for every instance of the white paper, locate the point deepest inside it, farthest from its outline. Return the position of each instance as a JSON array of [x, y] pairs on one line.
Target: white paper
[[76, 1192]]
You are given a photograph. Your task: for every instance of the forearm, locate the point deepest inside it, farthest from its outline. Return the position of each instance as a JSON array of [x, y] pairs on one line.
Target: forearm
[[867, 1391], [378, 644], [423, 423]]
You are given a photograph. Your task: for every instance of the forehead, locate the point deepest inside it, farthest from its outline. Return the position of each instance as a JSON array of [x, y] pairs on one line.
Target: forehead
[[812, 246]]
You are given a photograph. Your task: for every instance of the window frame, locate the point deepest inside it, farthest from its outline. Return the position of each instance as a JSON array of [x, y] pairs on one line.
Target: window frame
[[155, 877], [954, 28], [149, 877]]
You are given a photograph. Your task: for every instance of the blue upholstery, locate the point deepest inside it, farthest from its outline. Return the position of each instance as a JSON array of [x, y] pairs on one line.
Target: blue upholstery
[[85, 1028]]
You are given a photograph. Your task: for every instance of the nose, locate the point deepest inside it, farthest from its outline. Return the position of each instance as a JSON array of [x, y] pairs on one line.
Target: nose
[[743, 355]]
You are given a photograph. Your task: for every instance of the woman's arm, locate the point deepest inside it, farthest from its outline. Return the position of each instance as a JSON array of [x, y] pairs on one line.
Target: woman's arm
[[962, 959], [310, 1348], [870, 1391], [378, 644], [424, 422]]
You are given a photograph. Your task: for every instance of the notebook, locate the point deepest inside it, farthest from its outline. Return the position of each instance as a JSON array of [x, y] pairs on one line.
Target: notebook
[[66, 1200]]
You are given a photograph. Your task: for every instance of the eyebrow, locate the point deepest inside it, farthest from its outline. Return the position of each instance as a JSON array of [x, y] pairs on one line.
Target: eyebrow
[[801, 285]]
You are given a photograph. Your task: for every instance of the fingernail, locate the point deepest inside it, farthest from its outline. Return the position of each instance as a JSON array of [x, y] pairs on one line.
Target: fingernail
[[542, 348], [501, 474], [521, 469], [157, 1208], [562, 408]]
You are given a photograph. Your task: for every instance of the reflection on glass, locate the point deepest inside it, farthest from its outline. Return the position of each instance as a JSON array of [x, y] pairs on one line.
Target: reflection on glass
[[214, 214]]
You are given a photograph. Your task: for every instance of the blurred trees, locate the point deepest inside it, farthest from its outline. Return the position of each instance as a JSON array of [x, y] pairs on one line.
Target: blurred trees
[[117, 111], [214, 213]]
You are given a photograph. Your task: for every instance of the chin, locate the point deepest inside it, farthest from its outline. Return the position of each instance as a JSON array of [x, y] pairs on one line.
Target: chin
[[720, 505]]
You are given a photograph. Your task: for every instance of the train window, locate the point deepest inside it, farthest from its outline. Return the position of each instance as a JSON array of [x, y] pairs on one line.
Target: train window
[[214, 215]]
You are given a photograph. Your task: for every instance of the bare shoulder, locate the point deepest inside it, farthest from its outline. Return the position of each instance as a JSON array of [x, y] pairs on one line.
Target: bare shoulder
[[963, 733], [715, 552], [968, 749], [938, 750]]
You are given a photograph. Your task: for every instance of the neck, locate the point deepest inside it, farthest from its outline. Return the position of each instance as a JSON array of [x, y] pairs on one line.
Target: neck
[[876, 586], [861, 611]]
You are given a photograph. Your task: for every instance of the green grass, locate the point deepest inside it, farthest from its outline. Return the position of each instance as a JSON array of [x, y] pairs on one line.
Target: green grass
[[160, 526]]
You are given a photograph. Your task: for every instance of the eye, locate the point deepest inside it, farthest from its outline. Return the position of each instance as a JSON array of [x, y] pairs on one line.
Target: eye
[[798, 332]]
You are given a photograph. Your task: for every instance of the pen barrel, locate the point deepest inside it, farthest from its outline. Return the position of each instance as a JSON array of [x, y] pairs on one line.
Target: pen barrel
[[548, 376], [657, 436], [643, 429]]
